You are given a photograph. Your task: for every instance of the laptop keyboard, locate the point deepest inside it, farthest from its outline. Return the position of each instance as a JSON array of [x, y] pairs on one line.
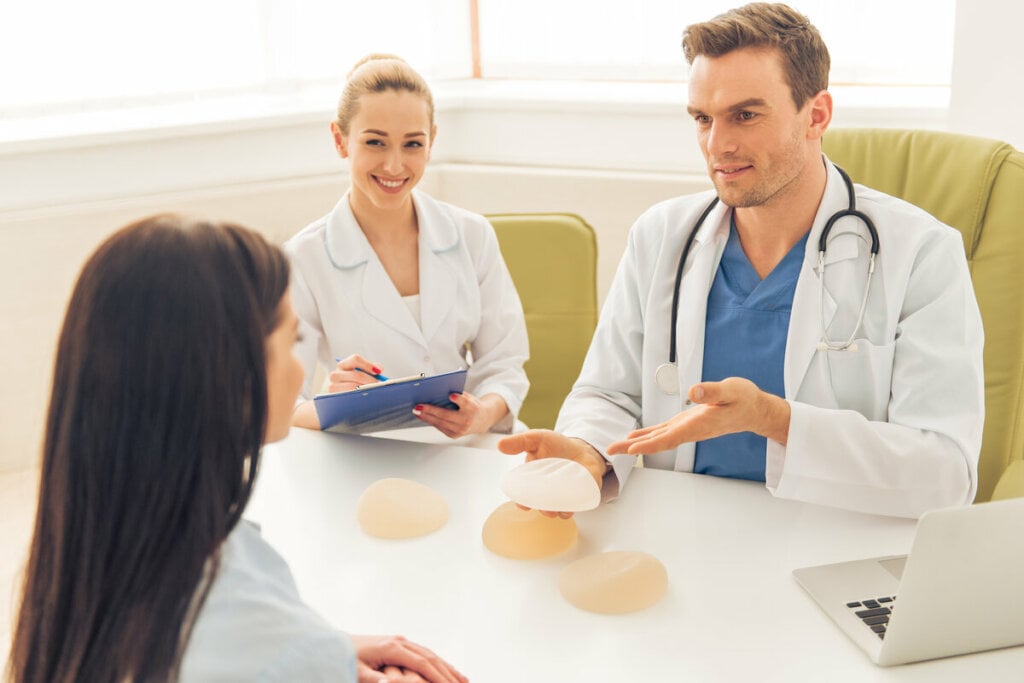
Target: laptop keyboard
[[874, 613]]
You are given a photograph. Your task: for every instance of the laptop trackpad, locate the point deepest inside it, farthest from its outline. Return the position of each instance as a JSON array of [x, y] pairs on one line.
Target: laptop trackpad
[[894, 566]]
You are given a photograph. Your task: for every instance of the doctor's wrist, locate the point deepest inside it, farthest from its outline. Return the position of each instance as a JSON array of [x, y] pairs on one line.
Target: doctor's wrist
[[591, 458], [774, 414]]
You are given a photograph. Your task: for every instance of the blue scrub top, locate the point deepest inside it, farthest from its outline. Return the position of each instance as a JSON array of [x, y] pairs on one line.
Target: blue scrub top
[[745, 336]]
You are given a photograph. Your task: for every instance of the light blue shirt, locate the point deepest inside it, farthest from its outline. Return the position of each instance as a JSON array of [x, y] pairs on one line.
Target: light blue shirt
[[255, 627], [745, 336]]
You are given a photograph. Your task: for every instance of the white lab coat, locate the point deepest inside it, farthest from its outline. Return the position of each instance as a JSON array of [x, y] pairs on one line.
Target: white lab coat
[[254, 627], [892, 428], [348, 304]]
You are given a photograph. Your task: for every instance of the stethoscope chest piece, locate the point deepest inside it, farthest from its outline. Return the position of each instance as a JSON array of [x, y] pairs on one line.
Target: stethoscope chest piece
[[667, 378]]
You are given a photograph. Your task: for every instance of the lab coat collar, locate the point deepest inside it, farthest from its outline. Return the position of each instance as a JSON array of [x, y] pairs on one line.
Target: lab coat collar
[[344, 241], [834, 199], [806, 319], [698, 276], [439, 235], [715, 227], [438, 231], [347, 246]]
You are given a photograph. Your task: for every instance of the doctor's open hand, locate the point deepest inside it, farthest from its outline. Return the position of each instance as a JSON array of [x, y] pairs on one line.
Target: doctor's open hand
[[544, 443], [352, 372], [732, 405], [394, 659], [474, 415]]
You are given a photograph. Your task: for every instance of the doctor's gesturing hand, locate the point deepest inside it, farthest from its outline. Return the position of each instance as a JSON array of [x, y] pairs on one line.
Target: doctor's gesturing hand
[[544, 443], [733, 405], [474, 415]]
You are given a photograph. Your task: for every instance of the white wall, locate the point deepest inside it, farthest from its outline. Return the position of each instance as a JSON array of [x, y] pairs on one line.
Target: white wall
[[43, 251], [988, 88], [609, 200]]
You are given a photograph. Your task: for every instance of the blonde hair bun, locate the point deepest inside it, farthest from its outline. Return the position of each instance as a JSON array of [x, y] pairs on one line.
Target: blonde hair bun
[[375, 73], [374, 57]]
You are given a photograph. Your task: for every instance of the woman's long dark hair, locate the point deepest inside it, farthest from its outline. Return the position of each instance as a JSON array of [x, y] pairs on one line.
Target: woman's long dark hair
[[156, 419]]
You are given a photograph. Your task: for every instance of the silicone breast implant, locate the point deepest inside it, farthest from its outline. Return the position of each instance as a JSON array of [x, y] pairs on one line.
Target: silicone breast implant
[[400, 508], [553, 484], [527, 534], [614, 582]]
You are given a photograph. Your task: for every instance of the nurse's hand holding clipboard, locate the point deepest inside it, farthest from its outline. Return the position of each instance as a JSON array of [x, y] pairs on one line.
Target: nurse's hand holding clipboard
[[346, 376], [733, 405], [474, 416]]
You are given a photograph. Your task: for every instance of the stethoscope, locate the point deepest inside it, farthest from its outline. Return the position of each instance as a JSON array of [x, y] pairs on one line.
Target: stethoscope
[[667, 374]]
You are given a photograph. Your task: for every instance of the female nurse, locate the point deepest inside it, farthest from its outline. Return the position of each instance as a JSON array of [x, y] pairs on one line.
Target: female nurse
[[141, 568], [394, 282]]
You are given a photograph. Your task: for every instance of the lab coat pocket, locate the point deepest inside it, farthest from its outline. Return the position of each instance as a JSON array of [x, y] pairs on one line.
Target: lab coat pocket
[[862, 379]]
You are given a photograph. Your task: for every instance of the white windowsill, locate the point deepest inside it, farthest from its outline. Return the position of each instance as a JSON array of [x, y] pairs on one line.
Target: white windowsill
[[924, 107], [70, 159]]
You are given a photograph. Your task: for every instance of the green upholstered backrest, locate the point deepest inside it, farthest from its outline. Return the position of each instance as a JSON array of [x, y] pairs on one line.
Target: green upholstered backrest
[[975, 185], [553, 262], [1011, 484]]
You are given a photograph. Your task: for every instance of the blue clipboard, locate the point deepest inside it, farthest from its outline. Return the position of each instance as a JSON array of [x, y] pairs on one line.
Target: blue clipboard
[[386, 405]]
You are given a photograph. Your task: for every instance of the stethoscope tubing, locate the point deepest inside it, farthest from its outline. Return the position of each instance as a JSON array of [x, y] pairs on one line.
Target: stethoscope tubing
[[679, 277], [822, 246]]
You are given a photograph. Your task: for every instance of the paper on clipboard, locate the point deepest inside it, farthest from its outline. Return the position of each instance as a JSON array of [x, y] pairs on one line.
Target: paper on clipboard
[[386, 405]]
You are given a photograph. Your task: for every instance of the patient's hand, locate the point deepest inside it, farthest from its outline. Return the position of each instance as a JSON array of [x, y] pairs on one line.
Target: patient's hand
[[393, 658]]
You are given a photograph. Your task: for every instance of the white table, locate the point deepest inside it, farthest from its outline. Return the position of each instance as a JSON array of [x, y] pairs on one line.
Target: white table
[[733, 611]]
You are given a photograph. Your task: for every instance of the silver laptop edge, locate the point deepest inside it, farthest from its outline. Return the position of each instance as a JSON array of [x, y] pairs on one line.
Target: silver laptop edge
[[960, 590]]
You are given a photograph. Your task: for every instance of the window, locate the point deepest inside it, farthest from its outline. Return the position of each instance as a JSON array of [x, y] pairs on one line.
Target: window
[[870, 41], [114, 53], [74, 56]]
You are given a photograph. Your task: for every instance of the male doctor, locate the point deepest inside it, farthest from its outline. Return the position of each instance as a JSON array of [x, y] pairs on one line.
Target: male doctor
[[778, 375]]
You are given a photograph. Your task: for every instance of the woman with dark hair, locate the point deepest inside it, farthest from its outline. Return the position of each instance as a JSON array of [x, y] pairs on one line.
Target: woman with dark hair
[[173, 368]]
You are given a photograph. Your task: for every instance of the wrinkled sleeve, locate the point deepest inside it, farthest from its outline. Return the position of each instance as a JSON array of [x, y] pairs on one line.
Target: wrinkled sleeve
[[501, 345], [311, 332], [605, 402]]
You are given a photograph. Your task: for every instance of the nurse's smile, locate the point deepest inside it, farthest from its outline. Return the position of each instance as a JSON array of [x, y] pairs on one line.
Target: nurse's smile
[[390, 186]]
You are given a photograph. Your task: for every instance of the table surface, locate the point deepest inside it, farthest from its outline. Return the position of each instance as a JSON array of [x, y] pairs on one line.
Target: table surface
[[733, 611]]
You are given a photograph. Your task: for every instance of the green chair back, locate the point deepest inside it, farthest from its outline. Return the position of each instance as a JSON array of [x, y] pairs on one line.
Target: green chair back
[[1011, 484], [553, 261], [975, 185]]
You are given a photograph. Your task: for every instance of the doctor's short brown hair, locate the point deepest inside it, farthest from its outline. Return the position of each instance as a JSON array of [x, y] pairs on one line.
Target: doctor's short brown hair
[[805, 58]]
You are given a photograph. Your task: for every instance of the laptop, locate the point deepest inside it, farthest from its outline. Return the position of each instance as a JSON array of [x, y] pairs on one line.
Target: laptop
[[960, 590]]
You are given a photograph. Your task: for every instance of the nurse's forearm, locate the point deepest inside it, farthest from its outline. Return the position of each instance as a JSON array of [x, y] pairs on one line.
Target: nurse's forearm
[[494, 407], [305, 416]]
